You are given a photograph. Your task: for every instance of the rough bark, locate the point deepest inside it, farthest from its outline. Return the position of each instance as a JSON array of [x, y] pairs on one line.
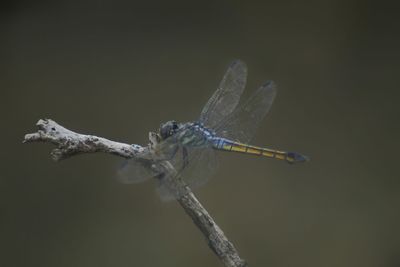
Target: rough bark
[[70, 143]]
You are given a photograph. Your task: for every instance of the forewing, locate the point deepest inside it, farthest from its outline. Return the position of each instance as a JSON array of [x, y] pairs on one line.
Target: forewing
[[135, 171], [226, 97], [242, 124]]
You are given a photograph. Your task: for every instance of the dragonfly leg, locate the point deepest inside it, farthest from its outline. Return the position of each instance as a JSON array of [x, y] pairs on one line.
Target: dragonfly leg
[[185, 156], [170, 154]]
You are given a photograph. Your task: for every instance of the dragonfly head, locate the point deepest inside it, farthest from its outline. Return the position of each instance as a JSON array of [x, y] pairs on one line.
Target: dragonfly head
[[168, 129]]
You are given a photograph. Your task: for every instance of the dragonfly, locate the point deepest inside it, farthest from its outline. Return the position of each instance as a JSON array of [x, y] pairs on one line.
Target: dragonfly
[[224, 125]]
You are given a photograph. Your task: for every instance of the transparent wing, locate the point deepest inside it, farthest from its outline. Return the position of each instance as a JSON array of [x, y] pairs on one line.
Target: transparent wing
[[194, 165], [242, 123], [200, 166], [226, 97], [135, 171]]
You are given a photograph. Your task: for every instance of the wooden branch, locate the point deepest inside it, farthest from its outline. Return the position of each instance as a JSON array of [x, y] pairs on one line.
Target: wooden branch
[[70, 143]]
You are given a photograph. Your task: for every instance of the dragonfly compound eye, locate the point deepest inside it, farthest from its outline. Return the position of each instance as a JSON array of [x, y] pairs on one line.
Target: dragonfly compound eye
[[167, 129]]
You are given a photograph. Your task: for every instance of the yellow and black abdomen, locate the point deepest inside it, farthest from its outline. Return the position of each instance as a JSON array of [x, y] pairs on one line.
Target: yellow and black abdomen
[[228, 145]]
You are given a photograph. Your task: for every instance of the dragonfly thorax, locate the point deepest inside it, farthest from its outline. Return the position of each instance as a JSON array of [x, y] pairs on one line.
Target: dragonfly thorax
[[190, 132]]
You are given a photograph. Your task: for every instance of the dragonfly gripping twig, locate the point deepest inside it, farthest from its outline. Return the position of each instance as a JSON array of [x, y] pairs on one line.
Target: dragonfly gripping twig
[[70, 143]]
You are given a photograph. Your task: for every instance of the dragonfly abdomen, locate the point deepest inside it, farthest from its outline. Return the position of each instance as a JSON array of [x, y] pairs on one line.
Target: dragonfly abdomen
[[231, 146]]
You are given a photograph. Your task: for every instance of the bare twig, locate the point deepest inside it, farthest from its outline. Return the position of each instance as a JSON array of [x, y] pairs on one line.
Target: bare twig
[[70, 143]]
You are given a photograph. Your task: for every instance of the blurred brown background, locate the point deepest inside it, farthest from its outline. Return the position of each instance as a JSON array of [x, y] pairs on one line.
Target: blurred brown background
[[118, 69]]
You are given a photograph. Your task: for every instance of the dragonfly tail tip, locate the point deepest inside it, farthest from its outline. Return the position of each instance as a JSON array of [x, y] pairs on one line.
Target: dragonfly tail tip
[[294, 157]]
